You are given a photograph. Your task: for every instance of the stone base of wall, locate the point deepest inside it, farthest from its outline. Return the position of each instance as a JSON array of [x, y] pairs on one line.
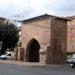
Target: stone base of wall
[[55, 56], [46, 57], [43, 58], [19, 54], [16, 54]]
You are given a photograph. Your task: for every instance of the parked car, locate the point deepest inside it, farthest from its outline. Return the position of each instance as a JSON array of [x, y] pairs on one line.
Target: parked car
[[71, 60], [6, 55]]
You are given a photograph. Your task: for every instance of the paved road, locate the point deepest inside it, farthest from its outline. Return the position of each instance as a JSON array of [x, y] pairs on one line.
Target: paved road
[[8, 69]]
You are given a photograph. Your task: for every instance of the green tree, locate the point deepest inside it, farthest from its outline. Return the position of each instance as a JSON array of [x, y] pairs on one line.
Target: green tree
[[8, 35]]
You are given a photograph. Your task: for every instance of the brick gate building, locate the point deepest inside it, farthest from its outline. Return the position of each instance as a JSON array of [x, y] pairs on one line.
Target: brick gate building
[[44, 39]]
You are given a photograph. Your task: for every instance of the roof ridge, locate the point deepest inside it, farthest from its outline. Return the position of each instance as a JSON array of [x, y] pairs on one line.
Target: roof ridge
[[43, 16]]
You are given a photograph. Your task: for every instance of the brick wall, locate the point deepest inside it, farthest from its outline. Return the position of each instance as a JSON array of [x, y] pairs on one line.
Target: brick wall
[[58, 46], [40, 30], [51, 33]]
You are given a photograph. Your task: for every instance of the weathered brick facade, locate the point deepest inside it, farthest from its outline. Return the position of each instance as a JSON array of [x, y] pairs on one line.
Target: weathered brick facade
[[49, 36]]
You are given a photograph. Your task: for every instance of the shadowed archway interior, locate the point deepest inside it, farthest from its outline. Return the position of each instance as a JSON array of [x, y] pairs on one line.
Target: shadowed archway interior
[[33, 51]]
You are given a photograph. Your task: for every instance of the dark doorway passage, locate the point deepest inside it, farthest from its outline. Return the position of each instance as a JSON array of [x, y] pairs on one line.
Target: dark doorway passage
[[33, 51]]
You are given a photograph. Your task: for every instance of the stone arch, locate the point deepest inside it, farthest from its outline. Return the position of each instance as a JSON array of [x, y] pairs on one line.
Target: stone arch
[[32, 51]]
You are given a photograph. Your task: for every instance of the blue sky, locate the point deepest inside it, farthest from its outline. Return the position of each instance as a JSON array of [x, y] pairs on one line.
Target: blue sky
[[31, 8]]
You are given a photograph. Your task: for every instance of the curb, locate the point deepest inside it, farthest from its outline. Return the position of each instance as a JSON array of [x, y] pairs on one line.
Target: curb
[[21, 63]]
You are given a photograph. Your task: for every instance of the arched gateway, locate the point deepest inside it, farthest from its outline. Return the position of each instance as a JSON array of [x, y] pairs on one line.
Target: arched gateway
[[46, 29], [32, 51]]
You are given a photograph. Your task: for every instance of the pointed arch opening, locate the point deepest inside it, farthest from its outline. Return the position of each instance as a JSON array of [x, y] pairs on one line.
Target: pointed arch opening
[[32, 51]]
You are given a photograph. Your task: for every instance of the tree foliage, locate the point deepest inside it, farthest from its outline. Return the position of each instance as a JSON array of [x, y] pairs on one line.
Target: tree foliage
[[8, 35]]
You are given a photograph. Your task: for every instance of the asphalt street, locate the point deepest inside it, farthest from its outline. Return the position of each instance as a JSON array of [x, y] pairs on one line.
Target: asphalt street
[[11, 69]]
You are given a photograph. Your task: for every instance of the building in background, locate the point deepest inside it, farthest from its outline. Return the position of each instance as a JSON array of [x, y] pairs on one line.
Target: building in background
[[71, 35]]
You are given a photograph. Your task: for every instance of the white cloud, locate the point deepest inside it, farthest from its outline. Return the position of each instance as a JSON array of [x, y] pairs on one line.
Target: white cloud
[[30, 8]]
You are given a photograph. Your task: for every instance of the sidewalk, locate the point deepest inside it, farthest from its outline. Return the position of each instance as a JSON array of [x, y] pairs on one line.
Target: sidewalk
[[33, 64], [21, 63]]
